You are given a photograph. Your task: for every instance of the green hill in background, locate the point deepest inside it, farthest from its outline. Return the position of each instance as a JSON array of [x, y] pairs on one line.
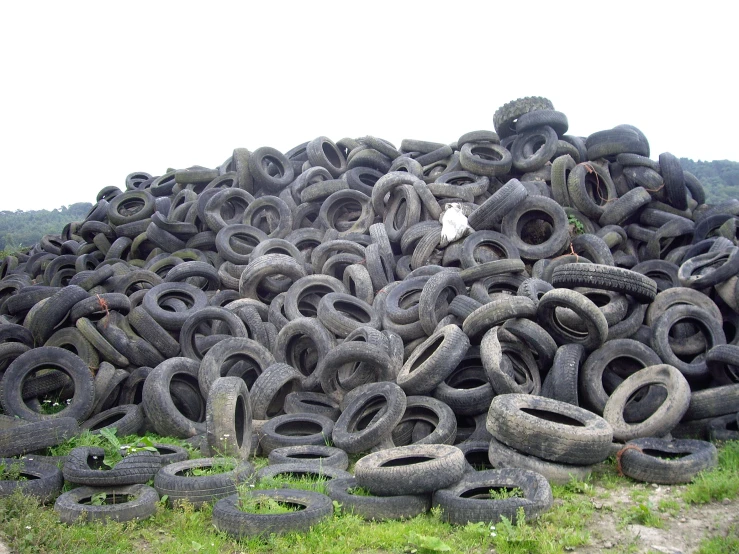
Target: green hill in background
[[720, 178], [21, 229]]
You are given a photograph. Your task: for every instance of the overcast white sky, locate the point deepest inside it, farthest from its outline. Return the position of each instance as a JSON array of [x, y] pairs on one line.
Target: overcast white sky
[[92, 91]]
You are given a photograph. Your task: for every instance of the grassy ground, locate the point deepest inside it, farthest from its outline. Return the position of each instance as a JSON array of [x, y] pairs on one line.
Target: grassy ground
[[570, 525]]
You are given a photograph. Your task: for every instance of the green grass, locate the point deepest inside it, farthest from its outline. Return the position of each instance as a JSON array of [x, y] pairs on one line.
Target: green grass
[[577, 225], [12, 471], [641, 514], [182, 528], [359, 491], [728, 544], [718, 483], [306, 482], [256, 503], [29, 528], [671, 507], [219, 465], [501, 493]]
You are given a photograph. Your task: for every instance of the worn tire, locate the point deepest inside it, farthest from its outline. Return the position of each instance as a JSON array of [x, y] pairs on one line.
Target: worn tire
[[468, 500], [552, 430], [74, 507], [427, 467]]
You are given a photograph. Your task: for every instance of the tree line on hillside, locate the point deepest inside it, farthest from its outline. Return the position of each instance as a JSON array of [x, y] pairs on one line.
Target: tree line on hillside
[[21, 229], [720, 178]]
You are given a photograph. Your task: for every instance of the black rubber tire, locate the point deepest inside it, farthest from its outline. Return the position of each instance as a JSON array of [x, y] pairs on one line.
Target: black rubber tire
[[192, 297], [724, 428], [42, 480], [497, 312], [300, 341], [376, 508], [533, 289], [342, 313], [537, 209], [74, 507], [295, 429], [502, 456], [229, 519], [484, 246], [723, 361], [672, 173], [414, 469], [261, 269], [659, 423], [122, 209], [667, 462], [375, 360], [544, 139], [300, 469], [261, 212], [197, 272], [29, 437], [155, 334], [197, 490], [228, 418], [270, 389], [585, 194], [227, 355], [492, 211], [468, 501], [126, 419], [235, 243], [592, 388], [11, 385], [312, 402], [552, 118], [322, 152], [84, 466], [697, 369], [358, 282], [619, 140], [314, 455], [115, 329], [552, 430], [677, 296], [265, 157], [509, 366], [466, 390], [433, 360], [713, 402], [605, 277], [384, 402], [475, 454], [505, 117], [620, 209], [188, 344], [44, 318], [593, 319], [159, 405], [709, 269], [432, 422], [695, 187], [487, 159], [541, 343], [562, 380]]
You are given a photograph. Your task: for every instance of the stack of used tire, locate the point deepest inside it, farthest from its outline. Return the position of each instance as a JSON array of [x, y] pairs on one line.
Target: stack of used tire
[[587, 305]]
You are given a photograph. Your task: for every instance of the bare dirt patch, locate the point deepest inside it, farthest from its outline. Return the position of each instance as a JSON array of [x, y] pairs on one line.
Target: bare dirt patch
[[683, 528]]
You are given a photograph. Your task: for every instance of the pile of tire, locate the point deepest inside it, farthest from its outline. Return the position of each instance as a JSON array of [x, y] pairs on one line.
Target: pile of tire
[[588, 301]]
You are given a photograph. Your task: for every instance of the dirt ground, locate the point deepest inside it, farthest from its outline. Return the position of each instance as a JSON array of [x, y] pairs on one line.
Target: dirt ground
[[683, 531]]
